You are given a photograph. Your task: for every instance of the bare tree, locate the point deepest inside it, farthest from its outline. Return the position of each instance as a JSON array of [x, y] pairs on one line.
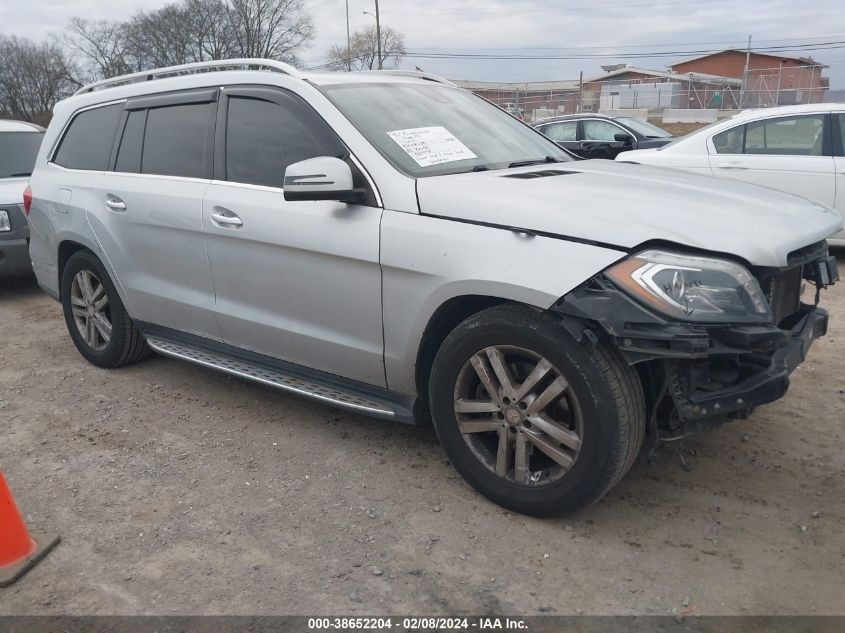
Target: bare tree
[[103, 46], [274, 29], [33, 77], [363, 50], [191, 31]]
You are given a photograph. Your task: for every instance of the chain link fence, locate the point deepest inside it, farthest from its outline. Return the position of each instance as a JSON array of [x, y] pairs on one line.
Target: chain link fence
[[652, 96]]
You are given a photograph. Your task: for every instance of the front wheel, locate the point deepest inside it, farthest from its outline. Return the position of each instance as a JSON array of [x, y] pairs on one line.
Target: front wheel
[[534, 420], [97, 321]]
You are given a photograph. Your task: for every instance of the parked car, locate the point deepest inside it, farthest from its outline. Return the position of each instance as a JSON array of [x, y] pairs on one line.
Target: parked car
[[19, 143], [798, 149], [602, 136], [390, 244]]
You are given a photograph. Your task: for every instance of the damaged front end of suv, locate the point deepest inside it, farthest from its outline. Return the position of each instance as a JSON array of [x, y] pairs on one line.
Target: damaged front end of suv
[[711, 338]]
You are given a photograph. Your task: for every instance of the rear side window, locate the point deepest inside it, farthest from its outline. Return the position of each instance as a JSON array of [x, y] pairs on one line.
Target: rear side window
[[263, 138], [87, 143], [177, 141], [561, 131], [730, 141], [786, 136], [129, 153]]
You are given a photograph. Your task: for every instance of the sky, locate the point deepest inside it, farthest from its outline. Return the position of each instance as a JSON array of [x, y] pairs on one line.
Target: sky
[[611, 31]]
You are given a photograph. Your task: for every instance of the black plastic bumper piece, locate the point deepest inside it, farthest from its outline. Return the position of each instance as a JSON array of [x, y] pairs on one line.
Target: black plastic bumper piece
[[765, 386]]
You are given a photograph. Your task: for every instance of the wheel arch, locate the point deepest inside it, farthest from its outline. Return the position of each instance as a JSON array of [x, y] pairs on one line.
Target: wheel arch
[[66, 250], [444, 319]]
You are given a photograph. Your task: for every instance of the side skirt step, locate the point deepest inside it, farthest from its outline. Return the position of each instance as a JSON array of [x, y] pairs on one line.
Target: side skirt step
[[326, 388]]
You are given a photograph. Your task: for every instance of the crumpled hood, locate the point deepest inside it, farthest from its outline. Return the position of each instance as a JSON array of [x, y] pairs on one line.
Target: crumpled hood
[[11, 190], [627, 205]]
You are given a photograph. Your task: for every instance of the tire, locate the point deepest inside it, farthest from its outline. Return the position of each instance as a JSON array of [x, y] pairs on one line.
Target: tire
[[123, 343], [599, 416]]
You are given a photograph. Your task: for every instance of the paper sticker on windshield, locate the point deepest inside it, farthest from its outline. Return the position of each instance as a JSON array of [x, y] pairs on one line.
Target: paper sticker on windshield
[[431, 145]]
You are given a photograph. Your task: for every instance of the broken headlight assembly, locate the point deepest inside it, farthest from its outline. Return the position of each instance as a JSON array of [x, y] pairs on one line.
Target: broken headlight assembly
[[692, 288]]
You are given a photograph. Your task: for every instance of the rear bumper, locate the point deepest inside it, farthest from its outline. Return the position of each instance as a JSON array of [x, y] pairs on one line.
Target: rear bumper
[[14, 257]]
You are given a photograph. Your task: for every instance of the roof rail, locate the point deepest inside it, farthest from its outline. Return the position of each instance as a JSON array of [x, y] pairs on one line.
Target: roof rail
[[194, 68], [416, 73]]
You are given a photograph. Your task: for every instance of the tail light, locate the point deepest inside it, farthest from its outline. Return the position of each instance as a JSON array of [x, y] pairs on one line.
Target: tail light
[[27, 200]]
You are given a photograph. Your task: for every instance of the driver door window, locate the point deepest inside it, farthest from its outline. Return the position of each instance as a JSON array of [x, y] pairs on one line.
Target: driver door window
[[603, 131], [263, 138]]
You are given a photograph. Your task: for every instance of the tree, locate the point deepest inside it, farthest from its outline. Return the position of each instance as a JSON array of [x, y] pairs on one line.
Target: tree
[[102, 45], [191, 31], [363, 50], [273, 29], [33, 77]]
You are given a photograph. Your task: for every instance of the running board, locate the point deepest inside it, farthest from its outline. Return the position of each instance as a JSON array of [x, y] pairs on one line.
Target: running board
[[326, 388]]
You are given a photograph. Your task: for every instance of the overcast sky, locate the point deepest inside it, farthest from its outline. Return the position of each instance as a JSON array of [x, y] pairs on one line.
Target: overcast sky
[[526, 27]]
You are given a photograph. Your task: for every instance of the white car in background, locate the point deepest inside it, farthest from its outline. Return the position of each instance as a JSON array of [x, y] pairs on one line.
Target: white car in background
[[19, 144], [798, 149]]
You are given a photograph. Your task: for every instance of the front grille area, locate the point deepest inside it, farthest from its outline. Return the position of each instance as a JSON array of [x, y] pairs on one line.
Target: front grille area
[[783, 290]]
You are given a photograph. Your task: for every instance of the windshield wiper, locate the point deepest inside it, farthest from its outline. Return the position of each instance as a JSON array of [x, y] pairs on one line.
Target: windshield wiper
[[20, 174], [534, 161]]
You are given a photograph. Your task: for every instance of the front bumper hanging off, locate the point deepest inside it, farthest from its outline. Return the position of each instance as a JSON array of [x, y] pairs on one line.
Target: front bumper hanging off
[[711, 372]]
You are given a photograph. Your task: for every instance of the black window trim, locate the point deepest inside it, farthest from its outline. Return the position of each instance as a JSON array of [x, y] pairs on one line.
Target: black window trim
[[271, 94], [61, 136], [837, 133]]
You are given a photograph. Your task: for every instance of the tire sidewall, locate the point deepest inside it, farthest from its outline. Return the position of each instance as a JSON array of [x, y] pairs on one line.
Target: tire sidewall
[[590, 476], [108, 356]]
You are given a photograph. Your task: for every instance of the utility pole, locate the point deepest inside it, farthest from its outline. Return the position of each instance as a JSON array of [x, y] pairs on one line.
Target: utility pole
[[378, 36], [745, 74], [581, 91], [348, 41]]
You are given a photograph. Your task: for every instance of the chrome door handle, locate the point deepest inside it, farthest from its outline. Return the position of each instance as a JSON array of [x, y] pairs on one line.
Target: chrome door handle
[[227, 220], [732, 167], [113, 202]]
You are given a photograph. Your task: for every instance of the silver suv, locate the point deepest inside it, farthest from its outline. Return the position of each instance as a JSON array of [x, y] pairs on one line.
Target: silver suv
[[390, 244]]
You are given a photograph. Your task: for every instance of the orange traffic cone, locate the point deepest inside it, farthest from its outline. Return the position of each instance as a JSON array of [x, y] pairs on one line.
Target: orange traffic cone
[[18, 550]]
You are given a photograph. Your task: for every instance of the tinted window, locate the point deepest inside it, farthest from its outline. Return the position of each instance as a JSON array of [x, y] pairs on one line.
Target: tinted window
[[842, 132], [561, 131], [730, 141], [790, 136], [601, 131], [129, 153], [88, 141], [263, 138], [177, 141], [17, 153]]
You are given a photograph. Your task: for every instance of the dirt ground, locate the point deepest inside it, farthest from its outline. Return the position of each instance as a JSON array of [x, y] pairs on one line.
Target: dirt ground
[[677, 129], [181, 490]]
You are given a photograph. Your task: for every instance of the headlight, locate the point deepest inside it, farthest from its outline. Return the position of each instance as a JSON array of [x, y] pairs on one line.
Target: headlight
[[692, 288], [5, 225]]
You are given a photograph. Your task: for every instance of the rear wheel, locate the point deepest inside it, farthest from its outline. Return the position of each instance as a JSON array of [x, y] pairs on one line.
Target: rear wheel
[[534, 420], [96, 318]]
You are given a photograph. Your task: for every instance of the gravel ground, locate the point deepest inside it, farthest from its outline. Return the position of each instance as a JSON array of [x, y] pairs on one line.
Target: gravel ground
[[181, 490]]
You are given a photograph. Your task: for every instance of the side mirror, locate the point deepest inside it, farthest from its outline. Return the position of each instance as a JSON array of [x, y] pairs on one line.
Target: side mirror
[[622, 137], [322, 178]]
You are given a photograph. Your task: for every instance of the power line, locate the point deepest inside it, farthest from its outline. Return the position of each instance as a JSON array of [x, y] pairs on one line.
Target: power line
[[422, 54]]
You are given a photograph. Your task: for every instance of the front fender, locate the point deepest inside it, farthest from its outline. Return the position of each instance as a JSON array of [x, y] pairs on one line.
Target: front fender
[[428, 261]]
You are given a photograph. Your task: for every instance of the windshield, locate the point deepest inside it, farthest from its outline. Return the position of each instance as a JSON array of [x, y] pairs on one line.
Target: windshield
[[17, 153], [644, 128], [429, 130]]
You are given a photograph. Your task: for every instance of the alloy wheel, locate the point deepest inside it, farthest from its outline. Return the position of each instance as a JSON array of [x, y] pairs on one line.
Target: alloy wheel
[[518, 415], [90, 307]]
